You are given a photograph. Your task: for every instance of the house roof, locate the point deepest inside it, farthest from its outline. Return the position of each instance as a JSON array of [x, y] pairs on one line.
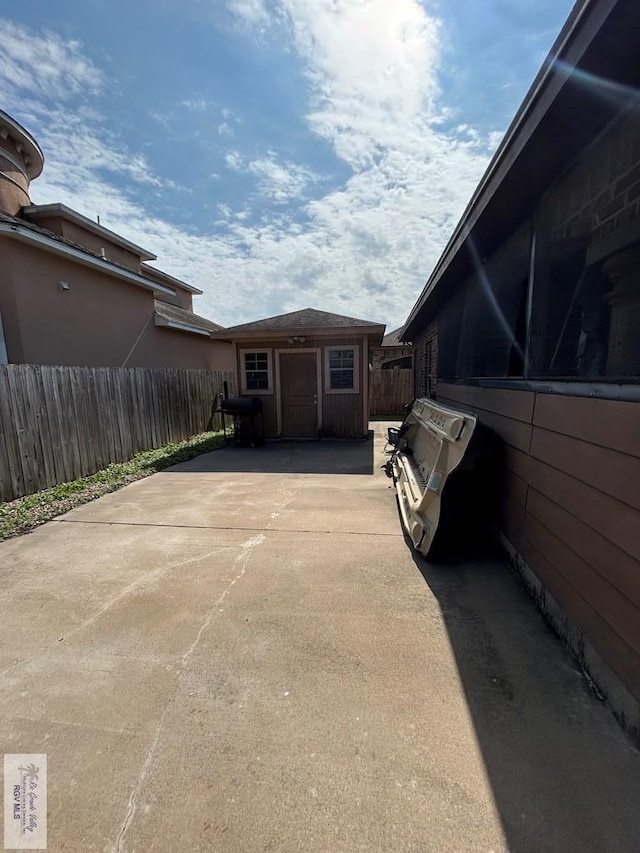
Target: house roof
[[305, 319], [24, 230], [181, 319], [153, 272], [35, 211], [393, 339], [590, 71]]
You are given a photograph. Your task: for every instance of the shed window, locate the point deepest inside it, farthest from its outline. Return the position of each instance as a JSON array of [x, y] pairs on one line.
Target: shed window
[[342, 369], [256, 371]]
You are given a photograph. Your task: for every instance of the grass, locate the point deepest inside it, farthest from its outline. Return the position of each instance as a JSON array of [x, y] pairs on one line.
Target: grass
[[23, 514]]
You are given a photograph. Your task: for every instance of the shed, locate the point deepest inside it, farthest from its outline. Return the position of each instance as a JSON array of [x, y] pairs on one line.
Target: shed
[[311, 370]]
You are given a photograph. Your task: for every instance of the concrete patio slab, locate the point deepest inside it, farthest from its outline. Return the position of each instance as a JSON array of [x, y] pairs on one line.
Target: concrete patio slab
[[222, 658]]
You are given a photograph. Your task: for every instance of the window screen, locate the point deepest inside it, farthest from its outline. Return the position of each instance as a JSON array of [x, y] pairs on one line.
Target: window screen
[[341, 369], [256, 367]]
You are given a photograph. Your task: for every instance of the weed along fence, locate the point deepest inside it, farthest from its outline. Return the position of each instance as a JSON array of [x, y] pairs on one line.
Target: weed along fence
[[389, 390], [61, 423]]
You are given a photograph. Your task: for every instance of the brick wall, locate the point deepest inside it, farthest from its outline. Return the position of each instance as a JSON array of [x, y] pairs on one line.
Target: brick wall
[[602, 192], [425, 360], [380, 355]]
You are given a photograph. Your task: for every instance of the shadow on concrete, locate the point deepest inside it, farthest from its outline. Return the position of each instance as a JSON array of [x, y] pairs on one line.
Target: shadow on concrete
[[287, 457], [564, 776]]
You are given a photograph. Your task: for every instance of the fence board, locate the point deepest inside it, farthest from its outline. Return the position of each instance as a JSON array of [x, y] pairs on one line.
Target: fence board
[[389, 391], [11, 482], [61, 423]]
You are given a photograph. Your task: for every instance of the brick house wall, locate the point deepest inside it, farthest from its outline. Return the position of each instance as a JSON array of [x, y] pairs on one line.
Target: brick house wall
[[381, 355], [570, 524], [602, 192], [425, 361]]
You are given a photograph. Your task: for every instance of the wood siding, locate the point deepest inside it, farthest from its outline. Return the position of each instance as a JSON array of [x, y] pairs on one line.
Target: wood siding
[[342, 414], [62, 423], [572, 506]]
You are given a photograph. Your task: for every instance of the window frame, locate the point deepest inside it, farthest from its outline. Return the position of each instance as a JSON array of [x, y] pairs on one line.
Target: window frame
[[243, 371], [355, 389]]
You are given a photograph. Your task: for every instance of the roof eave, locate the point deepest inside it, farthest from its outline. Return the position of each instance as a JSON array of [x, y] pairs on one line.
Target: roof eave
[[575, 38], [151, 271], [163, 322], [50, 244], [59, 209], [305, 332]]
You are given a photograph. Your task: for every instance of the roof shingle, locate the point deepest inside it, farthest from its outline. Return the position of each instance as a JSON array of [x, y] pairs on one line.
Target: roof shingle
[[303, 319], [174, 314]]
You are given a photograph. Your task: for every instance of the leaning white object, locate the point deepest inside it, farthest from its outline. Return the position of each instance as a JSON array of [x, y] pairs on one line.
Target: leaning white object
[[431, 445]]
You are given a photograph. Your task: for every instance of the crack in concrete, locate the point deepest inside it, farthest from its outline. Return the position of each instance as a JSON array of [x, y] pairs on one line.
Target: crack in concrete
[[289, 531], [248, 548], [134, 585]]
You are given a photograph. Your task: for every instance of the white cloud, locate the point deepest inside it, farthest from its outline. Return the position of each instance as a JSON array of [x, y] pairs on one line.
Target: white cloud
[[364, 249], [44, 63], [281, 181], [196, 105], [234, 161], [253, 12]]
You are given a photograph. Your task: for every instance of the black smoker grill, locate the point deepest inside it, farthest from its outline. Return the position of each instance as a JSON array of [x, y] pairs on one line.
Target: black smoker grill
[[246, 415]]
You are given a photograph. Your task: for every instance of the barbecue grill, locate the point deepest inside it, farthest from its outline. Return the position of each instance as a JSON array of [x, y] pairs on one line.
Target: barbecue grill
[[247, 420]]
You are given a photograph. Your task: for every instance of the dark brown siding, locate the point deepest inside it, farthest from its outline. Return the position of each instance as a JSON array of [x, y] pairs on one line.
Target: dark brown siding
[[342, 414], [572, 506]]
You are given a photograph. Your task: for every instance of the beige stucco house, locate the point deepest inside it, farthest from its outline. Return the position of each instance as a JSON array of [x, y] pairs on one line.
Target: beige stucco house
[[73, 292]]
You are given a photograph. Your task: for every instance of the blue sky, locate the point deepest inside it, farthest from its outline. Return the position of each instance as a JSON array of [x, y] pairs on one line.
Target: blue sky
[[278, 154]]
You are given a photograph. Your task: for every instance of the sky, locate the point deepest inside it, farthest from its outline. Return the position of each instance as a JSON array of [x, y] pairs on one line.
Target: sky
[[277, 154]]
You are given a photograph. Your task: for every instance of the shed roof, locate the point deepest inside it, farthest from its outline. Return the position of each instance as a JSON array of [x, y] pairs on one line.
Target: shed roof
[[305, 319]]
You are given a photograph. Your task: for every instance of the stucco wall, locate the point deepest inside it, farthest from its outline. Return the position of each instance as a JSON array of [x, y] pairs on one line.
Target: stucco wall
[[98, 321], [162, 347]]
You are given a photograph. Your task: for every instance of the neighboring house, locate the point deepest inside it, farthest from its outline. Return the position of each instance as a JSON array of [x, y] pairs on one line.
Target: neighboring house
[[531, 319], [311, 370], [75, 293], [392, 354]]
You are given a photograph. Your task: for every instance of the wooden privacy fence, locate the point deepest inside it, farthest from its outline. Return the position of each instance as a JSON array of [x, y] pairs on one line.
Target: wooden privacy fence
[[389, 390], [61, 423]]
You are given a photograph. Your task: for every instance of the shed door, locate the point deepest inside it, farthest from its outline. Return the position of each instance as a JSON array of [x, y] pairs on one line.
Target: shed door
[[299, 394]]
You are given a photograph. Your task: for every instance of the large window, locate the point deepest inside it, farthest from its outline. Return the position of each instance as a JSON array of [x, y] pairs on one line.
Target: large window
[[581, 328], [256, 371], [342, 370]]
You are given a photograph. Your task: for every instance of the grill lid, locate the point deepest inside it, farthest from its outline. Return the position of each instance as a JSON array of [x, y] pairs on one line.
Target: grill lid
[[241, 406]]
